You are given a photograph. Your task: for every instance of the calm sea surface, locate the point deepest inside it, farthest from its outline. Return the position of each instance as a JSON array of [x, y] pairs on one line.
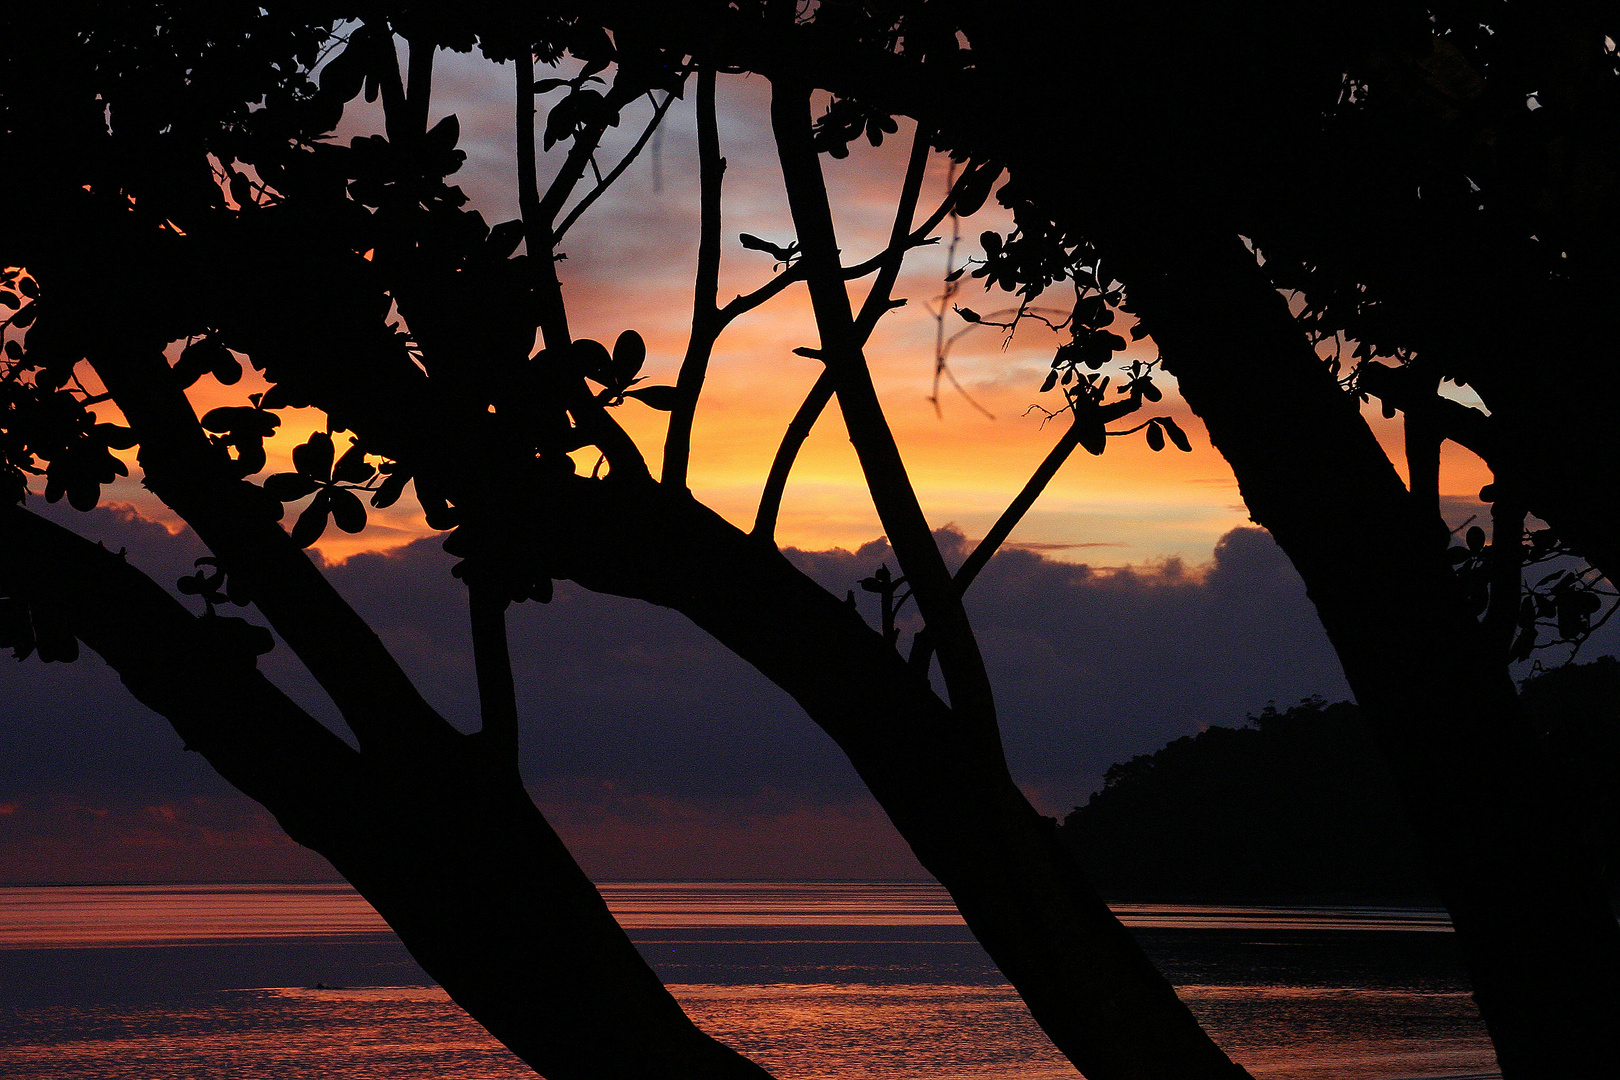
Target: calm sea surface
[[815, 981]]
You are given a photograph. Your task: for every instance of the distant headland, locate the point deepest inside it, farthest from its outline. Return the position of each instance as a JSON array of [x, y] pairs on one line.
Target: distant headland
[[1298, 805]]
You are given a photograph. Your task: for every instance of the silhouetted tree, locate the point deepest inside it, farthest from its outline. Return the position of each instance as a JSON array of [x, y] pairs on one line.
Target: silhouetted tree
[[183, 199], [1148, 146], [179, 189]]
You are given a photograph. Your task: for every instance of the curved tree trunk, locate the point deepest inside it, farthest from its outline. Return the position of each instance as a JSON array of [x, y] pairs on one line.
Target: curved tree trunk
[[444, 843], [942, 780], [1538, 933]]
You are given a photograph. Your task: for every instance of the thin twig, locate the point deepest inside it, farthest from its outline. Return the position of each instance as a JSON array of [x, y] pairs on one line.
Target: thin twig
[[922, 647], [618, 170]]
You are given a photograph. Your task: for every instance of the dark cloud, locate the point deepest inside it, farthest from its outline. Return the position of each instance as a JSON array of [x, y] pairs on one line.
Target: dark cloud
[[1093, 666], [659, 752]]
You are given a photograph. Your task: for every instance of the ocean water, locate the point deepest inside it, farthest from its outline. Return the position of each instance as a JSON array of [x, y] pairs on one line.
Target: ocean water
[[813, 980]]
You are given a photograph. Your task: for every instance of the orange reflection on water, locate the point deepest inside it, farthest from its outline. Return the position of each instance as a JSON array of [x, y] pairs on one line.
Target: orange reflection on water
[[75, 916], [113, 915], [816, 1031]]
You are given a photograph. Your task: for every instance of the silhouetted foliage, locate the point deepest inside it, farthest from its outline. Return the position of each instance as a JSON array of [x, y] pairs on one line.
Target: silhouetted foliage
[[1299, 805]]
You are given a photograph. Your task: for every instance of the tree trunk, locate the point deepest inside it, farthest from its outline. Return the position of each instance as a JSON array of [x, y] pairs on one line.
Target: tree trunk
[[443, 842], [942, 779], [1539, 936]]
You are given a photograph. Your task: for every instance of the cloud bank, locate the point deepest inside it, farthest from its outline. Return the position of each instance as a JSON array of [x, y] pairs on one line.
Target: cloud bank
[[656, 752]]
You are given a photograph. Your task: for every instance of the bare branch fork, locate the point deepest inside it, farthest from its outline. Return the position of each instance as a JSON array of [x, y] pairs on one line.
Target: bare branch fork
[[887, 262], [922, 647], [896, 501]]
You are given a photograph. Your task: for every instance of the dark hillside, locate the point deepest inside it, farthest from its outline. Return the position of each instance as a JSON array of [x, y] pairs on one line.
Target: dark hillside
[[1298, 806]]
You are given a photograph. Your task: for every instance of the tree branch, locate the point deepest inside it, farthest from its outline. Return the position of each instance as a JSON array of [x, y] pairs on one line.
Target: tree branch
[[948, 794], [706, 321], [1506, 560], [1020, 505], [886, 478], [396, 113], [618, 170], [419, 85], [798, 430], [184, 667], [1423, 439], [232, 517], [550, 314], [1468, 428], [894, 256], [888, 261], [492, 661]]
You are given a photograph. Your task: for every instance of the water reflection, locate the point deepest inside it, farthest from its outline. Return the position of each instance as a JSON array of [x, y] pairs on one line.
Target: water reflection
[[816, 981], [101, 915]]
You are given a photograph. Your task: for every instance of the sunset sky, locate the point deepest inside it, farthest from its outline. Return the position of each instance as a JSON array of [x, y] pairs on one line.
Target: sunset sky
[[655, 751]]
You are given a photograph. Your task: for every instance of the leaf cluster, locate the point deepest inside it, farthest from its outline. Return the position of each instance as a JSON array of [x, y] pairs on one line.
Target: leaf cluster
[[844, 121]]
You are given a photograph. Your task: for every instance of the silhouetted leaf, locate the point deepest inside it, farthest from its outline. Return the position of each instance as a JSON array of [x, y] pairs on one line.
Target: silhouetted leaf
[[1155, 437], [755, 243], [592, 360], [312, 522], [119, 438], [242, 421], [503, 239], [629, 353], [1177, 436], [348, 512], [968, 314], [393, 485], [314, 458], [207, 356], [344, 75], [1092, 436], [975, 189], [444, 135]]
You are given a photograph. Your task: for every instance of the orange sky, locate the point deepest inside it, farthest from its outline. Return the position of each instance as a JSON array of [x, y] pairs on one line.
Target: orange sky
[[629, 266]]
